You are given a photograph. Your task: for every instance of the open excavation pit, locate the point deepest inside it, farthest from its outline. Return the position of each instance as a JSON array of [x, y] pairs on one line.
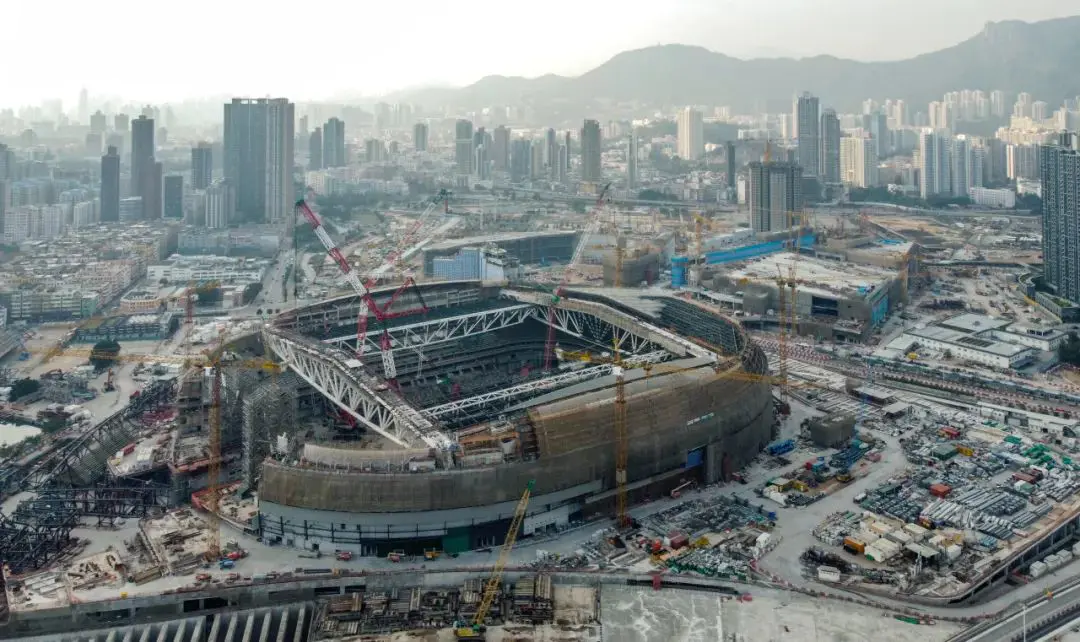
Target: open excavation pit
[[437, 456]]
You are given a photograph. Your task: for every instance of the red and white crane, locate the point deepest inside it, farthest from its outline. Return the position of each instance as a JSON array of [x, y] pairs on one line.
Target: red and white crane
[[363, 289]]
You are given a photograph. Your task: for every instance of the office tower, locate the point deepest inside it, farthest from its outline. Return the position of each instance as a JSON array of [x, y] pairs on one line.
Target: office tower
[[420, 134], [93, 144], [333, 143], [500, 153], [302, 128], [564, 163], [551, 152], [808, 134], [520, 160], [858, 162], [173, 196], [591, 143], [631, 160], [7, 162], [732, 163], [110, 186], [220, 204], [1060, 169], [153, 191], [481, 163], [315, 150], [879, 132], [259, 136], [775, 192], [569, 149], [997, 103], [691, 135], [142, 151], [202, 165], [374, 150], [479, 138], [463, 146], [536, 163], [830, 147], [97, 123]]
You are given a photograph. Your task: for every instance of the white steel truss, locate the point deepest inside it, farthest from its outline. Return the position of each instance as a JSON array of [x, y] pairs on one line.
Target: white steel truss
[[589, 327], [343, 380], [425, 333], [541, 385]]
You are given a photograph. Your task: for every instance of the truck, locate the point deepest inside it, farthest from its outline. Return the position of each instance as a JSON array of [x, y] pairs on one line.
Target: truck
[[226, 563]]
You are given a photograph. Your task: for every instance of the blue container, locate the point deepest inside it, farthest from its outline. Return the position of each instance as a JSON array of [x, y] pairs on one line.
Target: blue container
[[679, 265]]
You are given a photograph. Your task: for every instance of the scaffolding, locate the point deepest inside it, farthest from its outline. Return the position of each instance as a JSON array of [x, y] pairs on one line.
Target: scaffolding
[[274, 407], [36, 541]]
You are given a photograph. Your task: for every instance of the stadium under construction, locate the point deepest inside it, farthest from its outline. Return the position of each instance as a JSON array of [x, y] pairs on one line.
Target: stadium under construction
[[454, 404]]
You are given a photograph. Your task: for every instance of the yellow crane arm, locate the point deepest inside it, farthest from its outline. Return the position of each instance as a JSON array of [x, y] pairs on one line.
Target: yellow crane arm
[[491, 589]]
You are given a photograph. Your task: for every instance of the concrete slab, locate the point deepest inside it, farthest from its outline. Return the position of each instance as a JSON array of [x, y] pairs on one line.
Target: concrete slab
[[643, 615]]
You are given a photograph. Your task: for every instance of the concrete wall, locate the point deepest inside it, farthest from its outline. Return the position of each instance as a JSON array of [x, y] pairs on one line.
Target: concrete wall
[[665, 421]]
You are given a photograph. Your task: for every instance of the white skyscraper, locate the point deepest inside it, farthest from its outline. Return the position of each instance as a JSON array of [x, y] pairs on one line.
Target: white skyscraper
[[220, 204], [858, 162], [935, 163], [691, 134]]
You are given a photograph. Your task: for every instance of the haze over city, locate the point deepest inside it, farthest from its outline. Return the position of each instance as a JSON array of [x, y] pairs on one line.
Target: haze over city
[[149, 55], [598, 321]]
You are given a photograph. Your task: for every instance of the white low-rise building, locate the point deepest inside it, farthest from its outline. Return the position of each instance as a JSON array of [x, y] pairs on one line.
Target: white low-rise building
[[982, 339], [987, 197]]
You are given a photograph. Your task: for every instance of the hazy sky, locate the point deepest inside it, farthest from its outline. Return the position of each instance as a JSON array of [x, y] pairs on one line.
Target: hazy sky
[[163, 51]]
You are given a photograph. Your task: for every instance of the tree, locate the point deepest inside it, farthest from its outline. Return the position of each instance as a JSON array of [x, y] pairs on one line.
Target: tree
[[163, 282], [104, 354], [24, 387], [651, 195]]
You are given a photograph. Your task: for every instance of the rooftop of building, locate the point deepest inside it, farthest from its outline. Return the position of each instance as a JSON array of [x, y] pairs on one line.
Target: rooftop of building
[[829, 277], [973, 323], [967, 340], [503, 237]]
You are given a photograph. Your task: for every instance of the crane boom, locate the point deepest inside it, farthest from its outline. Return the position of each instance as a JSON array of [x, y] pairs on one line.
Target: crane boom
[[491, 589], [332, 248]]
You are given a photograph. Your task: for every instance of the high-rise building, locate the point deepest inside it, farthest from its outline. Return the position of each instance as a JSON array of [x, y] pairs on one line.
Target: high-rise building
[[591, 144], [808, 134], [84, 105], [830, 147], [93, 144], [775, 192], [173, 196], [879, 132], [569, 149], [315, 150], [998, 103], [202, 165], [142, 151], [536, 163], [480, 138], [220, 204], [333, 143], [631, 160], [463, 146], [153, 180], [1040, 111], [420, 136], [564, 163], [500, 152], [374, 150], [110, 186], [732, 163], [967, 157], [259, 138], [551, 152], [1060, 169], [858, 162], [691, 134], [935, 163], [121, 122], [97, 123], [302, 128], [481, 163], [520, 160]]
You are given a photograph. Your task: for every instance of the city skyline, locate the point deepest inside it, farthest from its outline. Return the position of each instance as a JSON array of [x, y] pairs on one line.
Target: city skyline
[[688, 22]]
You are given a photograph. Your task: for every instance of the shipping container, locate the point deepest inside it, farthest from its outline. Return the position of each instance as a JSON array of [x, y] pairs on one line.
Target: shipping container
[[940, 490], [855, 545]]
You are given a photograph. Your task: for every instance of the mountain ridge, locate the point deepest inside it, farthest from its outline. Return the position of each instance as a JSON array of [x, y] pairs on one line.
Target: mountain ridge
[[1012, 55]]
